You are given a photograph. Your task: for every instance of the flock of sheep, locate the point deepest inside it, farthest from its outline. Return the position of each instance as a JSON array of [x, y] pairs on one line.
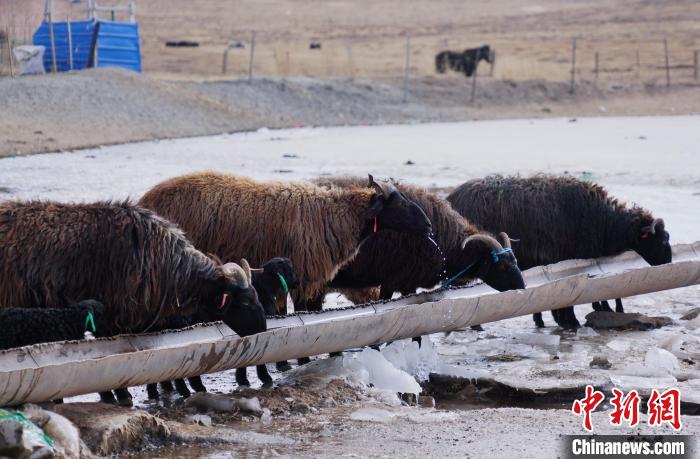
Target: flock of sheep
[[167, 262]]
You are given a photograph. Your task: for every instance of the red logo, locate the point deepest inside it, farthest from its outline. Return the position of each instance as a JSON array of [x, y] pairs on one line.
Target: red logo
[[665, 407], [661, 407], [586, 405], [626, 408]]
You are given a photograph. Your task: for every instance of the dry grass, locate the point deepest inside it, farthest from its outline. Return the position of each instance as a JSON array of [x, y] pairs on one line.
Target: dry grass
[[365, 38]]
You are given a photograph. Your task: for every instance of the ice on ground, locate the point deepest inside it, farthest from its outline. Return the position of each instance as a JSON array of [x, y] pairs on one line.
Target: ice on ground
[[538, 339], [661, 359], [586, 332], [371, 367], [372, 415], [642, 383], [619, 345], [417, 361]]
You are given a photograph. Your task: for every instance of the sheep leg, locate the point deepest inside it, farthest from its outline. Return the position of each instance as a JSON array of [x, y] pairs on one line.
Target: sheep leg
[[242, 377], [477, 328], [618, 305], [566, 318], [196, 384], [303, 360], [123, 397], [108, 397], [605, 306], [283, 366], [418, 340], [537, 317], [182, 388], [263, 374], [167, 386], [152, 391], [58, 401]]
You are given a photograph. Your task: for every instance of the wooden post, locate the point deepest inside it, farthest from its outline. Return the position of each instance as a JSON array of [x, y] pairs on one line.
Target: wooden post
[[350, 64], [696, 64], [407, 69], [668, 70], [9, 52], [493, 63], [573, 66], [132, 12], [252, 56], [70, 44], [637, 55], [476, 71], [111, 14], [52, 43], [224, 64], [596, 70]]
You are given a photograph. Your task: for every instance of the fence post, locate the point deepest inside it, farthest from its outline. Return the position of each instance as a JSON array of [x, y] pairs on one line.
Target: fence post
[[224, 63], [573, 65], [668, 70], [350, 65], [53, 43], [407, 69], [252, 56], [637, 55], [596, 70], [70, 44], [696, 64], [9, 51], [493, 63]]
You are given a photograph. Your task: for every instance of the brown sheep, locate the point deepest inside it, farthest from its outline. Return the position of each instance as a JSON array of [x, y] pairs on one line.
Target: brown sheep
[[319, 230], [140, 266]]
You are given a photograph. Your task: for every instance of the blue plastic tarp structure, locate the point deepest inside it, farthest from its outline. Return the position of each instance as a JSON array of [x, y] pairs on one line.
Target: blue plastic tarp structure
[[94, 44]]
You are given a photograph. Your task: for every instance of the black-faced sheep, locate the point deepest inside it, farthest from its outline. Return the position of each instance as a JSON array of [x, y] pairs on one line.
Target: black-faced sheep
[[320, 230], [272, 283], [405, 262], [560, 218], [25, 326]]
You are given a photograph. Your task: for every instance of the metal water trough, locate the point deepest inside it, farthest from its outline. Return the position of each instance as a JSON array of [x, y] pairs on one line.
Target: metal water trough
[[55, 370]]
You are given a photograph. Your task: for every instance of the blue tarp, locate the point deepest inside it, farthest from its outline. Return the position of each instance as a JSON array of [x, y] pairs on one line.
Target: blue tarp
[[117, 44]]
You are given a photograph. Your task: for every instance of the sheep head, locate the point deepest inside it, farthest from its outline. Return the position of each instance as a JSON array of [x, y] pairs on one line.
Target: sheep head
[[240, 307], [492, 261], [391, 210], [653, 243]]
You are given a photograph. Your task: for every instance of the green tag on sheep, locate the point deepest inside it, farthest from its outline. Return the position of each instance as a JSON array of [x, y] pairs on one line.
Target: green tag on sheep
[[283, 282]]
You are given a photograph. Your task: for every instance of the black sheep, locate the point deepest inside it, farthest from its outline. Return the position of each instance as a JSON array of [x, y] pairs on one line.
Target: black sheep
[[26, 326], [465, 62], [561, 218], [272, 283], [405, 262]]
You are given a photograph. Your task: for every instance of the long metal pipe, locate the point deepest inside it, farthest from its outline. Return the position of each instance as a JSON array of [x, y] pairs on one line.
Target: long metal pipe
[[54, 370]]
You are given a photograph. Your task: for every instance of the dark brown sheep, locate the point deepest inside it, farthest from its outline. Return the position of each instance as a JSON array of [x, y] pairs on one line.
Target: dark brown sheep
[[560, 218], [319, 230], [405, 262], [140, 266]]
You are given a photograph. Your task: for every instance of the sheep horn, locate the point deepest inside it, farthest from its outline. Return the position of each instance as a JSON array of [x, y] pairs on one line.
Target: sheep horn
[[247, 270], [652, 228], [236, 273], [504, 240], [385, 188], [488, 240]]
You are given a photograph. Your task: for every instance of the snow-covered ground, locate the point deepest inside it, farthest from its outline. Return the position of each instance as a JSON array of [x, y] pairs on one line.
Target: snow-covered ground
[[652, 161]]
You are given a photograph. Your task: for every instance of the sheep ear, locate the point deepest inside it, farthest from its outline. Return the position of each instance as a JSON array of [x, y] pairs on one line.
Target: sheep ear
[[659, 225]]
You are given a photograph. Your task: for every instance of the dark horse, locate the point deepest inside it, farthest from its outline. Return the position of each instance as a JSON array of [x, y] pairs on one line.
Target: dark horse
[[465, 62]]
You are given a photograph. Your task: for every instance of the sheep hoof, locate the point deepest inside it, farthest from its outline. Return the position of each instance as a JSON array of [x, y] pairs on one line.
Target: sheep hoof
[[303, 360], [108, 397], [335, 354], [242, 377], [196, 384], [477, 328], [283, 366], [264, 375]]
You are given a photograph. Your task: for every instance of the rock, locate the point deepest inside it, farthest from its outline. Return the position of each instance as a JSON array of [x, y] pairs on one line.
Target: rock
[[109, 429], [426, 401], [692, 314], [207, 401], [199, 419], [300, 408], [603, 320], [600, 362]]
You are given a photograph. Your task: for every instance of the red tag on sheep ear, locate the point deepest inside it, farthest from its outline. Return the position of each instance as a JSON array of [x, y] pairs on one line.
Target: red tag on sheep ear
[[223, 300], [645, 235], [375, 225]]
